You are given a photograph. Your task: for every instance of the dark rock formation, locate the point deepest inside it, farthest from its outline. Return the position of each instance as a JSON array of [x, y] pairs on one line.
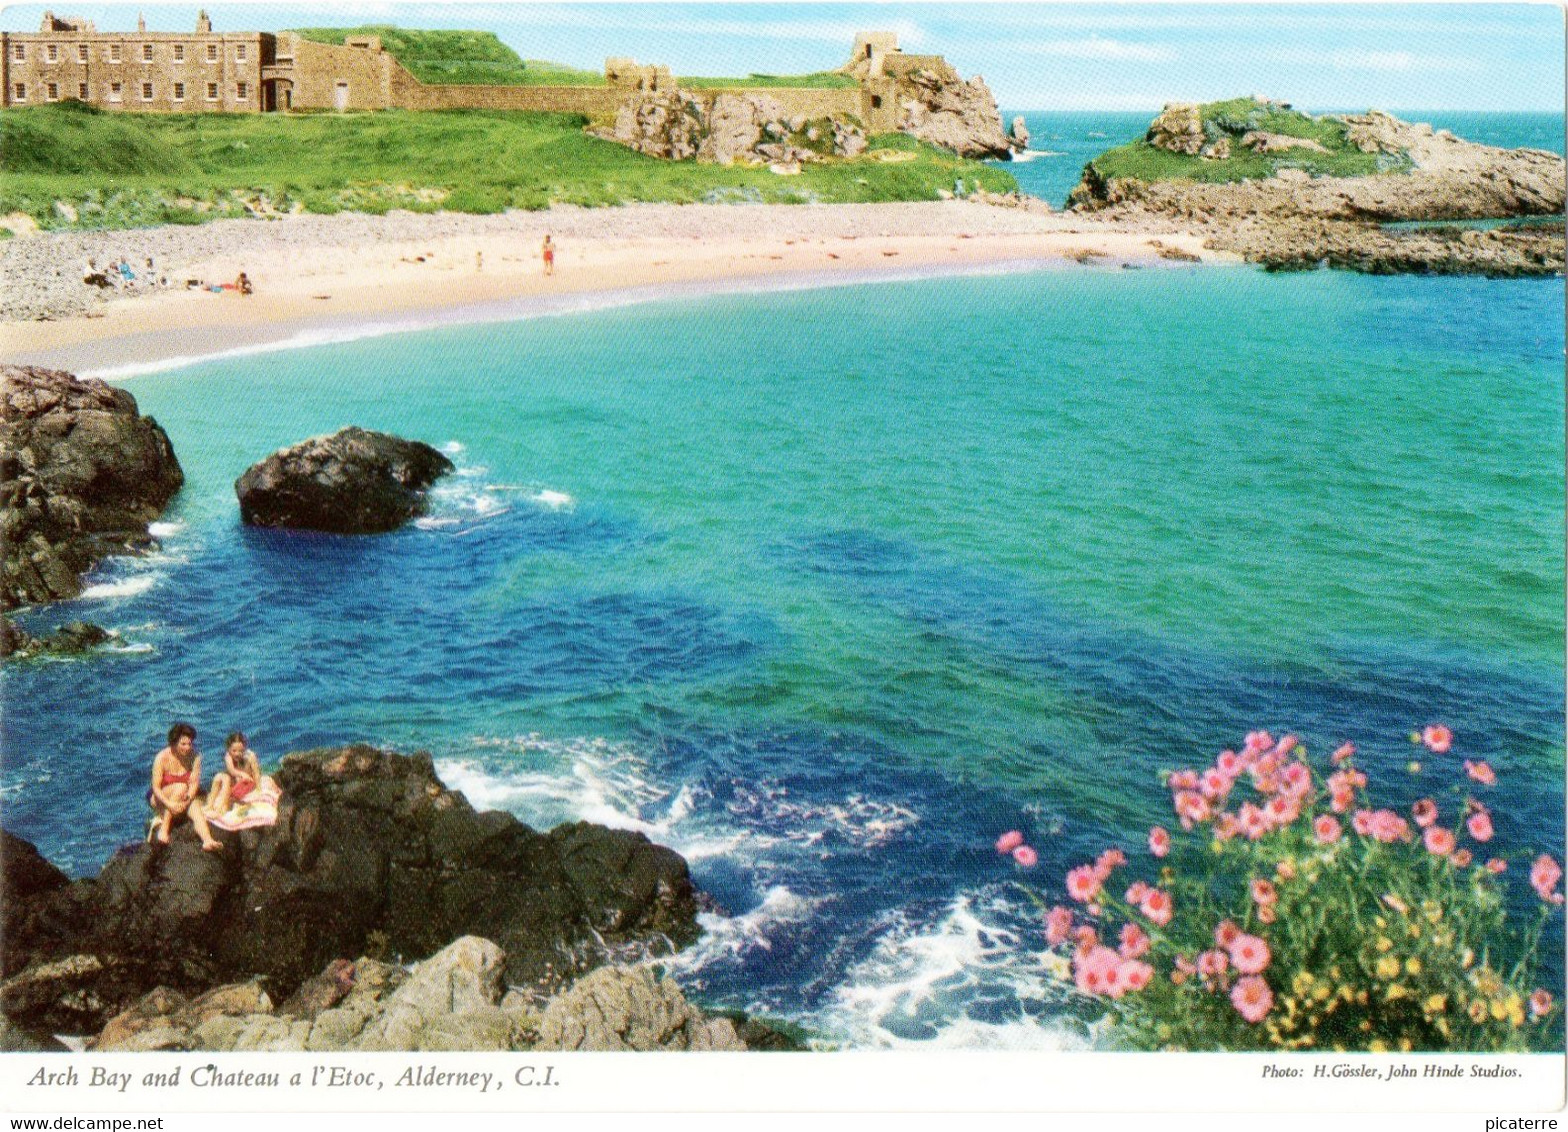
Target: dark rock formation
[[1018, 134], [370, 854], [352, 482], [72, 639], [81, 476]]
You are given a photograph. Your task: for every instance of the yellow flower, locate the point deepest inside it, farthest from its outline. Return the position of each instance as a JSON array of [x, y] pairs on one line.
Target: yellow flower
[[1302, 983], [1361, 997], [1378, 1045], [1412, 966], [1395, 992], [1499, 1009], [1478, 1011], [1433, 910], [1322, 991], [1435, 1004], [1387, 967], [1467, 958], [1405, 1044], [1443, 1027], [1346, 993], [1384, 943], [1415, 932], [1366, 1024]]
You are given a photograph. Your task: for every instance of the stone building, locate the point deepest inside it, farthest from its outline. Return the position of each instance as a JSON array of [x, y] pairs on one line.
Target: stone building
[[258, 72], [140, 70]]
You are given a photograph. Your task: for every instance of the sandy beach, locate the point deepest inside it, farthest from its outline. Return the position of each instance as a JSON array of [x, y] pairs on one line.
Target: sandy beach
[[316, 275]]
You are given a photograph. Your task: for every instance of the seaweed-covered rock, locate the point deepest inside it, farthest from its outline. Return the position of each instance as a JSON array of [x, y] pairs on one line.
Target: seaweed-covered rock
[[352, 482], [82, 473]]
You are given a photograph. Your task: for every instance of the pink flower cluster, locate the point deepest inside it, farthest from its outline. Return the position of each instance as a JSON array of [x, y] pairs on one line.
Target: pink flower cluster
[[1248, 956], [1012, 843], [1097, 968], [1544, 877], [1283, 784]]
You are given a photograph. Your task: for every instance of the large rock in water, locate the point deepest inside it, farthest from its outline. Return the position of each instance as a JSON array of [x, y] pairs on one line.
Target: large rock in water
[[82, 473], [352, 482], [370, 853]]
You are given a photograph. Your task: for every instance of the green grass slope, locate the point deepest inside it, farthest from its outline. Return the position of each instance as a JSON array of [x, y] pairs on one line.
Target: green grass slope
[[1235, 118], [460, 57], [70, 165]]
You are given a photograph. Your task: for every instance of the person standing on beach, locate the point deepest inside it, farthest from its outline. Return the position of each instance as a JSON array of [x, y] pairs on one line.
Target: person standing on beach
[[548, 251]]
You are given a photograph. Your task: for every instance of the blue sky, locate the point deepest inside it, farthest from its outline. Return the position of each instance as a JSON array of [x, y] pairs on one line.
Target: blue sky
[[1035, 56]]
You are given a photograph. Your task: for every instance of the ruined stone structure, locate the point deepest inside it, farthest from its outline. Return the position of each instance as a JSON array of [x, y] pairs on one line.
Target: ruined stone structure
[[258, 72]]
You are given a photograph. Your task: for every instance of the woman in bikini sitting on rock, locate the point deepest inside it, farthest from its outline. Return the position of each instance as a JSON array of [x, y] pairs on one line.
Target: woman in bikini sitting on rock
[[176, 782]]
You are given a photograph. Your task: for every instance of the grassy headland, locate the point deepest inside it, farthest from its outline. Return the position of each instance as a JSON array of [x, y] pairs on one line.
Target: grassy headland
[[460, 57], [1234, 119], [72, 166]]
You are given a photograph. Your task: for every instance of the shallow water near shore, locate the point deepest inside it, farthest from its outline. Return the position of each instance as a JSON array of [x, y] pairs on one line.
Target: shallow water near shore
[[825, 588]]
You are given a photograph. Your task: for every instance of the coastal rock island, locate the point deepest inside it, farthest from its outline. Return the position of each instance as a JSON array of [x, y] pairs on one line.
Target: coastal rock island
[[82, 474], [1288, 189], [352, 482], [370, 856]]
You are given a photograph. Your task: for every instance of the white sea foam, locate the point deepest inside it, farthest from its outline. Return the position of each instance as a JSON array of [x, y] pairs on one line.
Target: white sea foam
[[164, 530], [453, 447], [555, 500], [726, 938], [1029, 155], [919, 984], [866, 822], [120, 587]]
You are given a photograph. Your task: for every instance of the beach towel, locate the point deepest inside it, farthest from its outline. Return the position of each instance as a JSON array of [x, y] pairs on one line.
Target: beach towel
[[260, 808]]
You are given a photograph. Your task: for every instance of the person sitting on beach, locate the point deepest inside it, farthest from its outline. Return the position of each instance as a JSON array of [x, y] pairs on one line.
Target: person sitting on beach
[[548, 251], [243, 285], [239, 778], [127, 276], [176, 782]]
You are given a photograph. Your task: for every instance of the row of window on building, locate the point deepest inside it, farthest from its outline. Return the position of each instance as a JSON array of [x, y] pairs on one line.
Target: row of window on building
[[113, 52], [116, 92]]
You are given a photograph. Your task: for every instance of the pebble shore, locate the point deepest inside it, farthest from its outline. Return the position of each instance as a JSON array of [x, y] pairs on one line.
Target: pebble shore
[[41, 274]]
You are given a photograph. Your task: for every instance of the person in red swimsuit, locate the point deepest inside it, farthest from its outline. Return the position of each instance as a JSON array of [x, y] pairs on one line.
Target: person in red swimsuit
[[240, 775], [176, 784]]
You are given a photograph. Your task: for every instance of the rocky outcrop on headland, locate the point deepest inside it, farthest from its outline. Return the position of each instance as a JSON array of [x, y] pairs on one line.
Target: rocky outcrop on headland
[[82, 474], [371, 854], [455, 1000], [940, 107], [1295, 218], [352, 482], [729, 128]]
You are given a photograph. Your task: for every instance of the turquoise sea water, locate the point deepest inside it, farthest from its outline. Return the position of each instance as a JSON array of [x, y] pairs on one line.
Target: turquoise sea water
[[826, 588]]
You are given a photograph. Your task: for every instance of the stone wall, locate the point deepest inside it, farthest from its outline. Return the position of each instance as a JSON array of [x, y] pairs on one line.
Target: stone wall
[[319, 68], [593, 101], [808, 102]]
